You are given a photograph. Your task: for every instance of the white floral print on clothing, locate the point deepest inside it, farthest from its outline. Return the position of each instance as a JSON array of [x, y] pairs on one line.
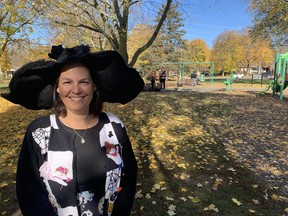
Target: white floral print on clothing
[[61, 165], [84, 197], [46, 173]]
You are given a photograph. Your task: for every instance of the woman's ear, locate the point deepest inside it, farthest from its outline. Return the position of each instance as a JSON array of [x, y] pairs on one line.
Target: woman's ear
[[58, 91], [94, 88]]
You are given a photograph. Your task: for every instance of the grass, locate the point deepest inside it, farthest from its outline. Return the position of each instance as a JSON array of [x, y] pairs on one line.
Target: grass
[[191, 159]]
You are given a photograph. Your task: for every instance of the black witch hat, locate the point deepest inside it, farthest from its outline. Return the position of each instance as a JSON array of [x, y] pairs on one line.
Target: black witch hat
[[32, 85]]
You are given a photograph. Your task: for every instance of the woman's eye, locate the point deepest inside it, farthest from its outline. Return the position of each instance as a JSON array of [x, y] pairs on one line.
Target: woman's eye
[[85, 82]]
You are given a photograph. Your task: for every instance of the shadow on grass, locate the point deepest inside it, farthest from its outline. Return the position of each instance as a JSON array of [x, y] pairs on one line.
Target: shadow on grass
[[182, 144], [187, 165]]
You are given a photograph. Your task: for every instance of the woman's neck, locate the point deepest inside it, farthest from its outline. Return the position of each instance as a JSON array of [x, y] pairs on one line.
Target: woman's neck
[[79, 121]]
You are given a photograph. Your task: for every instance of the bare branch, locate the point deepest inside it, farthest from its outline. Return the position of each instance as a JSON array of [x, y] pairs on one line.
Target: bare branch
[[149, 43]]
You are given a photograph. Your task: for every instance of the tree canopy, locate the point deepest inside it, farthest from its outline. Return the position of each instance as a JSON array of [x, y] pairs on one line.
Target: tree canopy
[[16, 25], [271, 19], [233, 49], [196, 51], [106, 20], [171, 34], [142, 31], [169, 42]]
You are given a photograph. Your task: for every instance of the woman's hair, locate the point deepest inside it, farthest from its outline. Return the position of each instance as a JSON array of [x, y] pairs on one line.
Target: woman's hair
[[96, 105]]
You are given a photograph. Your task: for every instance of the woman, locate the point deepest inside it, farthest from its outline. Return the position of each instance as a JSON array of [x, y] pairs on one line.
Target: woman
[[78, 161], [152, 80]]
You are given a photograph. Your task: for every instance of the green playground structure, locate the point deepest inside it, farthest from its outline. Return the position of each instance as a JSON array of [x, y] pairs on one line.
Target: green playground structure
[[182, 65], [229, 81], [280, 81]]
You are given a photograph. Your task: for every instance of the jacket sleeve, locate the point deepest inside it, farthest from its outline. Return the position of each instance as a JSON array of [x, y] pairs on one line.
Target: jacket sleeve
[[125, 199], [31, 191]]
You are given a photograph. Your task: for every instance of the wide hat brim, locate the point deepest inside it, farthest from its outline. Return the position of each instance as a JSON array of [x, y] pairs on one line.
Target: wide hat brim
[[32, 85]]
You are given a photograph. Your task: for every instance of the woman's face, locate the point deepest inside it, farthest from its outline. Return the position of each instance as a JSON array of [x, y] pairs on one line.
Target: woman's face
[[76, 88]]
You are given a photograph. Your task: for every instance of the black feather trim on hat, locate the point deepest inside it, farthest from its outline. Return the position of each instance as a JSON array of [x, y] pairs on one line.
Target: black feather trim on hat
[[56, 52]]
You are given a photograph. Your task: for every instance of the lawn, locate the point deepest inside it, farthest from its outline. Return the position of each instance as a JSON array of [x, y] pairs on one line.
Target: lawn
[[199, 153]]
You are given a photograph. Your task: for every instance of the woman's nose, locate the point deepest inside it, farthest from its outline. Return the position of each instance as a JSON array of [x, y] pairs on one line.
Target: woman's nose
[[76, 89]]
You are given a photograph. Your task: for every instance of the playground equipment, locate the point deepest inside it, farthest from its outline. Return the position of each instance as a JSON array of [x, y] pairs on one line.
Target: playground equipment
[[229, 81], [202, 77], [280, 81], [182, 65]]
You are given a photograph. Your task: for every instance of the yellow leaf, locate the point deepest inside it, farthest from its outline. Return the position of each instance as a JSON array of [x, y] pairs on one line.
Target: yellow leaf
[[217, 183], [256, 202], [171, 213], [182, 177], [211, 207], [274, 197], [159, 152], [184, 190], [182, 165], [183, 198], [236, 202], [148, 196], [195, 200], [172, 207], [138, 194], [3, 184], [169, 198]]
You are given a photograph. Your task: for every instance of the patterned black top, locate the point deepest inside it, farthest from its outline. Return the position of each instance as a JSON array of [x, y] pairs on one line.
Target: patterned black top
[[57, 175]]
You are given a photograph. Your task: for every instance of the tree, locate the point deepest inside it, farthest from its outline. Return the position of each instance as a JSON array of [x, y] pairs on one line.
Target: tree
[[227, 51], [69, 37], [170, 40], [5, 61], [270, 20], [232, 50], [196, 51], [256, 51], [16, 23], [109, 20], [137, 38]]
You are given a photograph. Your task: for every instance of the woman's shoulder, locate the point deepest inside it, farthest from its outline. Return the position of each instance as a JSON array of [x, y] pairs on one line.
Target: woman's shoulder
[[40, 122], [113, 118]]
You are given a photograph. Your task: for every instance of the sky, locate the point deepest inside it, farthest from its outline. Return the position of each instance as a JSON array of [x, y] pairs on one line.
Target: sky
[[208, 20]]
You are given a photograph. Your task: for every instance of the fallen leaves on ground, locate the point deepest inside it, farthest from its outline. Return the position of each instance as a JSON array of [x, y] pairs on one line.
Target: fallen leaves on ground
[[204, 153]]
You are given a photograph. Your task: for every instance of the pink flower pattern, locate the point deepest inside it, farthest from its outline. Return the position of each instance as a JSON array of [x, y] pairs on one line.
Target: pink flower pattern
[[46, 173], [62, 170]]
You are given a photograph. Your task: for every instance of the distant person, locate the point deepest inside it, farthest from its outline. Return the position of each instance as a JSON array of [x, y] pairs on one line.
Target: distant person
[[152, 80], [198, 77], [194, 78], [162, 79]]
